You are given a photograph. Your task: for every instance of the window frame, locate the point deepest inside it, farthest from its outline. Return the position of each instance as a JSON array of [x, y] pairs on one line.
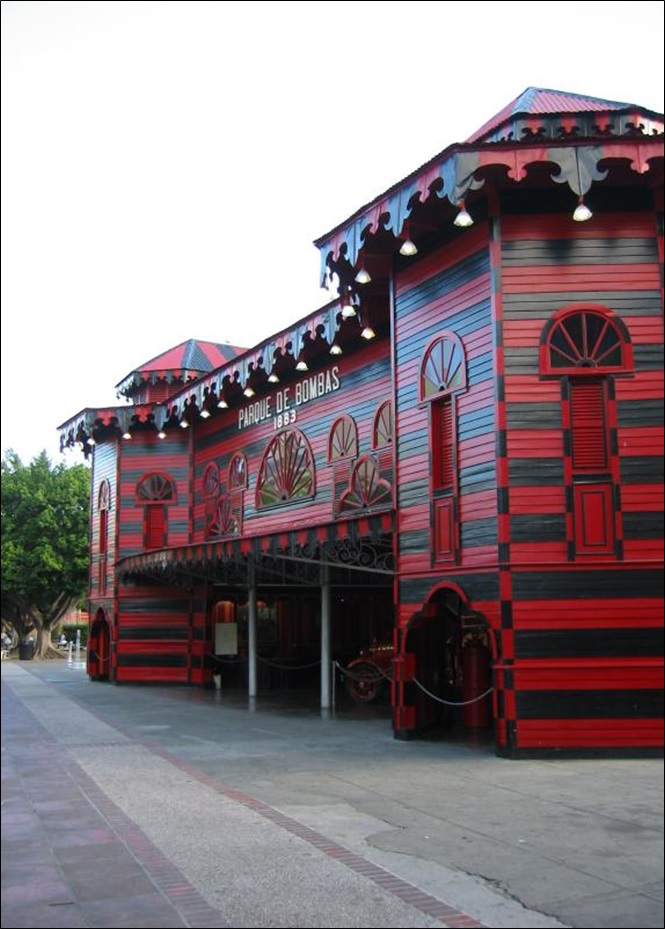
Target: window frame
[[560, 322], [278, 441], [164, 489]]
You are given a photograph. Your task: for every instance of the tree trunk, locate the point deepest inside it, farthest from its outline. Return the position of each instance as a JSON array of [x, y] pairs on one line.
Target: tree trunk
[[49, 622], [28, 620]]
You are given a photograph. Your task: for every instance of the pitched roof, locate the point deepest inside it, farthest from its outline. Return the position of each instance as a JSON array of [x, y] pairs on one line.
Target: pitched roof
[[189, 359], [540, 101]]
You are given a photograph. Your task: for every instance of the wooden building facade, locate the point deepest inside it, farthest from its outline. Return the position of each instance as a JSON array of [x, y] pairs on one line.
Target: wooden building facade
[[459, 458]]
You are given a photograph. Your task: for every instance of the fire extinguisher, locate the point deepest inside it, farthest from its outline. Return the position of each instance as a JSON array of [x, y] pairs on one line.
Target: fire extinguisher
[[475, 681]]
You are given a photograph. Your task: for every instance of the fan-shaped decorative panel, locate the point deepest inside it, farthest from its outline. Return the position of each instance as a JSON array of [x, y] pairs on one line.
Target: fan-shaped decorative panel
[[211, 480], [226, 519], [155, 487], [343, 442], [287, 470], [367, 489], [444, 367], [383, 425], [237, 473], [104, 498], [585, 340]]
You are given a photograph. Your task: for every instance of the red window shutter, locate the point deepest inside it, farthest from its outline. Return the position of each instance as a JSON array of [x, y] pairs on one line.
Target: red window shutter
[[103, 548], [101, 579], [444, 529], [589, 433], [103, 531], [155, 526], [594, 519], [443, 434], [341, 477]]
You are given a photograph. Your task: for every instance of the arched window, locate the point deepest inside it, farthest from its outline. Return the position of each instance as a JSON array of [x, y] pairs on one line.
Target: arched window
[[237, 473], [443, 376], [367, 490], [211, 481], [155, 491], [585, 340], [211, 489], [443, 369], [382, 433], [342, 451], [287, 470], [585, 345], [382, 441], [104, 497], [343, 439], [226, 520], [155, 488], [103, 507]]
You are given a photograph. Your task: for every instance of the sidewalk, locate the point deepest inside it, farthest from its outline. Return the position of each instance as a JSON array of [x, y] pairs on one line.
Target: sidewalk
[[153, 806]]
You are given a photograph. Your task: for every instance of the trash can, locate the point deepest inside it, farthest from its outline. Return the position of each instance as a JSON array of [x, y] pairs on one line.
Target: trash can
[[26, 650]]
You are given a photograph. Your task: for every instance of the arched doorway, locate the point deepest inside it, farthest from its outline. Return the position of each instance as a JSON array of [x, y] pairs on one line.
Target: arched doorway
[[99, 648], [450, 655]]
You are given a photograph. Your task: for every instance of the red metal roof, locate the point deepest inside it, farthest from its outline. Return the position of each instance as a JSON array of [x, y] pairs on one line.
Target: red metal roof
[[188, 359], [193, 355], [539, 101]]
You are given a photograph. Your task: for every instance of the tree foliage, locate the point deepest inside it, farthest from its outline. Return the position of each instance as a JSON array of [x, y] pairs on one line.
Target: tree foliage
[[45, 528]]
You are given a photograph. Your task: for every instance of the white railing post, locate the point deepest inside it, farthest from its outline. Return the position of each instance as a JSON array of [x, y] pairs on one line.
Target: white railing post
[[325, 638]]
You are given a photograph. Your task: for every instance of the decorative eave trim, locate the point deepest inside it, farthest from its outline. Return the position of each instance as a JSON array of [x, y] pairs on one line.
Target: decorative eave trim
[[597, 125], [300, 543], [453, 174], [318, 329], [315, 333], [137, 378], [81, 427]]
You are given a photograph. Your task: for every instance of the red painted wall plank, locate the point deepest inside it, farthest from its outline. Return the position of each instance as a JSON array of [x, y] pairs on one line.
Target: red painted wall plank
[[591, 733]]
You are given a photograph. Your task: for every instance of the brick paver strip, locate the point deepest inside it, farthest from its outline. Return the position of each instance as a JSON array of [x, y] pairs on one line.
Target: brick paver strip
[[186, 899], [47, 757], [408, 893]]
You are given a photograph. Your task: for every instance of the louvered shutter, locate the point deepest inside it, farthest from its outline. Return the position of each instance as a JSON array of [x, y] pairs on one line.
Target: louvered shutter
[[103, 545], [443, 444], [589, 433], [103, 531]]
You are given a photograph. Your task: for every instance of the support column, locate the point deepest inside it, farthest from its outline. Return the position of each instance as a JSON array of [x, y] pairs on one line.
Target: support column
[[326, 654], [251, 631]]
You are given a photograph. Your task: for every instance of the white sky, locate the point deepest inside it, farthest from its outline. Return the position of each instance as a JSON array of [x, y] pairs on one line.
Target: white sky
[[166, 166]]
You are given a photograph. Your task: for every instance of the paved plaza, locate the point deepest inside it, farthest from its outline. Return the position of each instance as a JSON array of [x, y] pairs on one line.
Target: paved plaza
[[152, 806]]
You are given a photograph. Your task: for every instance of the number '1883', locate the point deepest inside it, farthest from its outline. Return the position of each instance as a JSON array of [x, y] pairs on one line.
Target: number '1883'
[[284, 419]]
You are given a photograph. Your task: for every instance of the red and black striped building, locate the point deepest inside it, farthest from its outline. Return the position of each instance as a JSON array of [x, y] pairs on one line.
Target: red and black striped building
[[458, 458]]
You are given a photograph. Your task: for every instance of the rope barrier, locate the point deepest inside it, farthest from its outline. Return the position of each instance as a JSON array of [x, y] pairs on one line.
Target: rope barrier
[[95, 656], [381, 675], [273, 664], [288, 667], [367, 678], [450, 702]]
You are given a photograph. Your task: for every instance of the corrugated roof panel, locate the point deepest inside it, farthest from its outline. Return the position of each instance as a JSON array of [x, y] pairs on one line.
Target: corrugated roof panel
[[191, 356], [540, 101]]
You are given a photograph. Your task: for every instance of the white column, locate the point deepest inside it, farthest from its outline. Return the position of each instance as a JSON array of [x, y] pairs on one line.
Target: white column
[[325, 639], [251, 632]]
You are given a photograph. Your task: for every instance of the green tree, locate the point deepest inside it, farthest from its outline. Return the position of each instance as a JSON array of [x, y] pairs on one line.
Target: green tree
[[45, 525]]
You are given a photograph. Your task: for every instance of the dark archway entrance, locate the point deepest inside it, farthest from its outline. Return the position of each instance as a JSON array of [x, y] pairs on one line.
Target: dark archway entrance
[[449, 650], [99, 648]]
